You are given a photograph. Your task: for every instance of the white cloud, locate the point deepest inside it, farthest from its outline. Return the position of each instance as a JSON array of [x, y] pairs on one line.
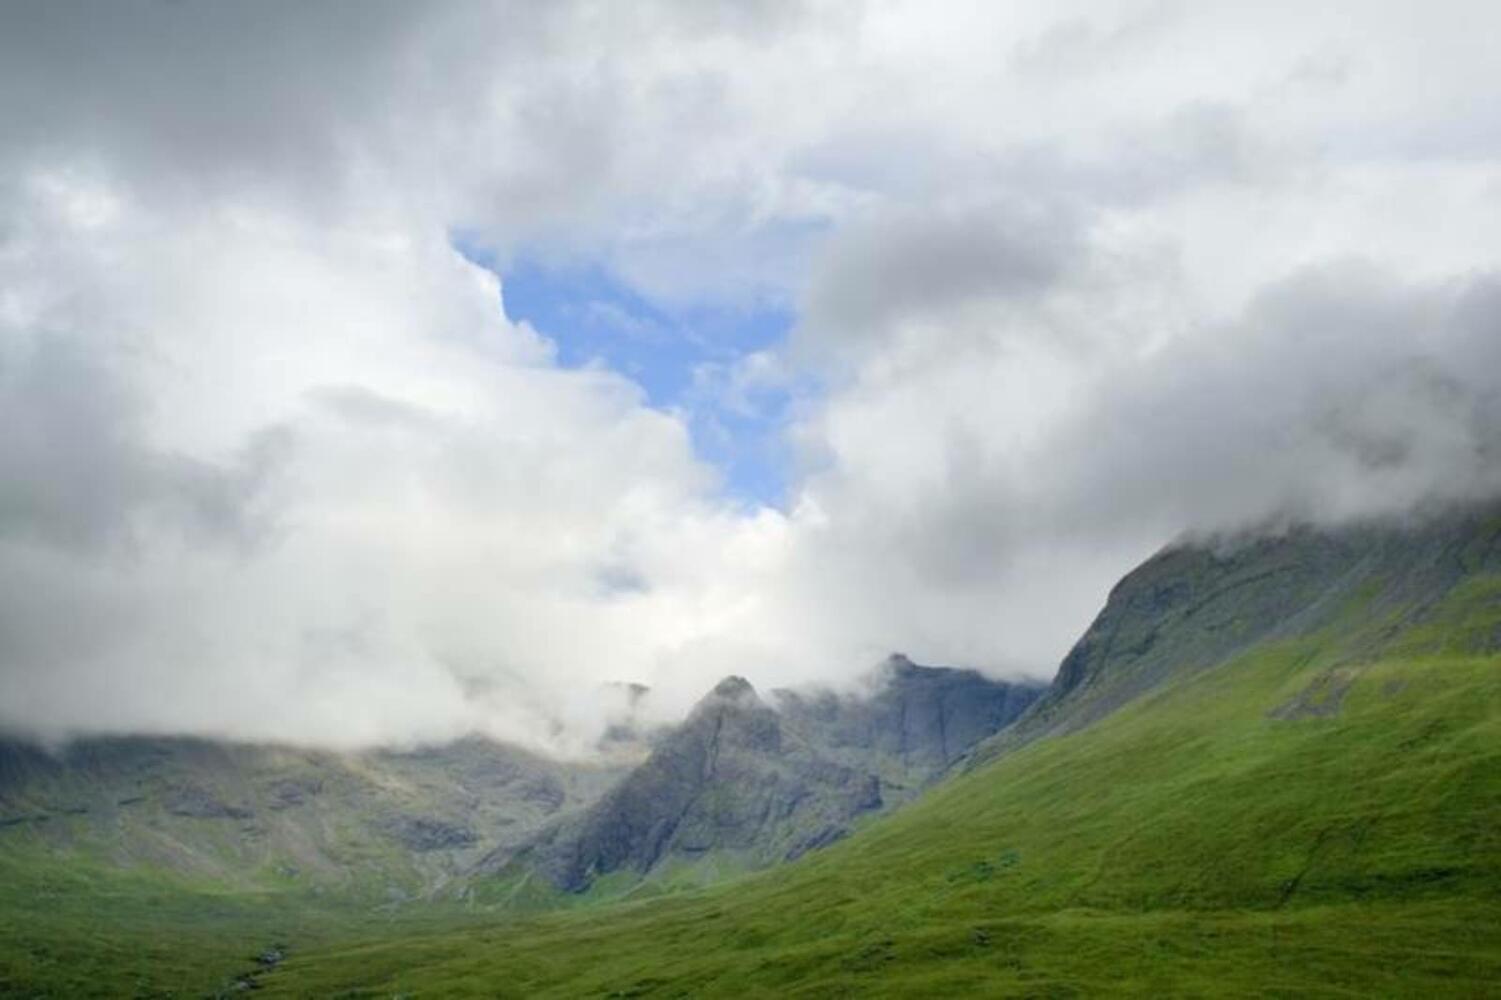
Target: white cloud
[[1073, 279], [304, 482]]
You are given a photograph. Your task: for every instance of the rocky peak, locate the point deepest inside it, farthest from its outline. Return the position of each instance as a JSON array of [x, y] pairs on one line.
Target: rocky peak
[[898, 664], [918, 720], [732, 688], [733, 715]]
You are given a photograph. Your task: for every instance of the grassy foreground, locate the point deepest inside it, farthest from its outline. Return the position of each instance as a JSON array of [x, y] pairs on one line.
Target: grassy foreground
[[71, 927], [1289, 824]]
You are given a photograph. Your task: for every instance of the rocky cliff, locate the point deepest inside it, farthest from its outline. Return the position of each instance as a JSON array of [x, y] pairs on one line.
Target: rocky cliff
[[744, 783]]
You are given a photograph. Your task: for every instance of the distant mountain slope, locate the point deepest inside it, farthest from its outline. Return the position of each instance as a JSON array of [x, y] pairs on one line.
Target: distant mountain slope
[[742, 784], [385, 822], [739, 784], [1377, 587], [1272, 769]]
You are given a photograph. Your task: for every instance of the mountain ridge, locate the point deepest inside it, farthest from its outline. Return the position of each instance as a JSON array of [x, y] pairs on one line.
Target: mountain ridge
[[406, 823], [1197, 602], [742, 784]]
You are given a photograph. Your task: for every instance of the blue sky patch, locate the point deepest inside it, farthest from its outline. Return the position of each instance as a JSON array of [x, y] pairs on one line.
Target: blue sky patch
[[684, 359]]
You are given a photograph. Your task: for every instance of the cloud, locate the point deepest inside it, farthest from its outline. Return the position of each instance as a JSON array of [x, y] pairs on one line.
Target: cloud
[[1342, 392], [1068, 282], [932, 265], [326, 488], [976, 502]]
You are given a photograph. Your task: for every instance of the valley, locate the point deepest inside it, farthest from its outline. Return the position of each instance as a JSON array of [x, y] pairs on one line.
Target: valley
[[1272, 764]]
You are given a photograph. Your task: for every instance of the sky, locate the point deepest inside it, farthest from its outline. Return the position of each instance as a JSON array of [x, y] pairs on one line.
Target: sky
[[382, 372]]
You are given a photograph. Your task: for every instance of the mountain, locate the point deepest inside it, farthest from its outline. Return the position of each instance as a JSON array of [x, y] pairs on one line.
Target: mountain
[[157, 864], [384, 823], [1272, 766], [1409, 586], [912, 727], [743, 784], [738, 784]]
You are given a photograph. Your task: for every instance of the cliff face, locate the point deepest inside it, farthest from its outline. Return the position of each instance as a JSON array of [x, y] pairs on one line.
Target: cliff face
[[919, 721], [742, 784]]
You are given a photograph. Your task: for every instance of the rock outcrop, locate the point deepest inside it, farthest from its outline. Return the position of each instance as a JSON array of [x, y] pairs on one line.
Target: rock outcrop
[[918, 721], [743, 783]]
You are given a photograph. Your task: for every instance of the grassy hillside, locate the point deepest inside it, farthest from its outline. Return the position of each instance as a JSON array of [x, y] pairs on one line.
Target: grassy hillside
[[162, 867], [381, 824], [1374, 589], [72, 927], [1300, 821]]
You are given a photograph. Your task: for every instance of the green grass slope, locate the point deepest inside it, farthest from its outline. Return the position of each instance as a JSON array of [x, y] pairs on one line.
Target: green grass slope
[[73, 927], [379, 824], [148, 866], [70, 927], [1300, 821], [1382, 587]]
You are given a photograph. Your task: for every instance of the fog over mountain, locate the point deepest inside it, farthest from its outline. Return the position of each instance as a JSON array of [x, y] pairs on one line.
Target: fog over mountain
[[279, 462]]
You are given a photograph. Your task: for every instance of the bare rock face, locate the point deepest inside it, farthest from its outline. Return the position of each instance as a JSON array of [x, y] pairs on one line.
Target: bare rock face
[[426, 833], [751, 784], [199, 803], [919, 721], [289, 793], [716, 781]]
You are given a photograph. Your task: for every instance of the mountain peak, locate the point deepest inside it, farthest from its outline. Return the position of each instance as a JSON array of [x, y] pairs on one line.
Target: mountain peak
[[900, 663], [733, 695], [734, 687]]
